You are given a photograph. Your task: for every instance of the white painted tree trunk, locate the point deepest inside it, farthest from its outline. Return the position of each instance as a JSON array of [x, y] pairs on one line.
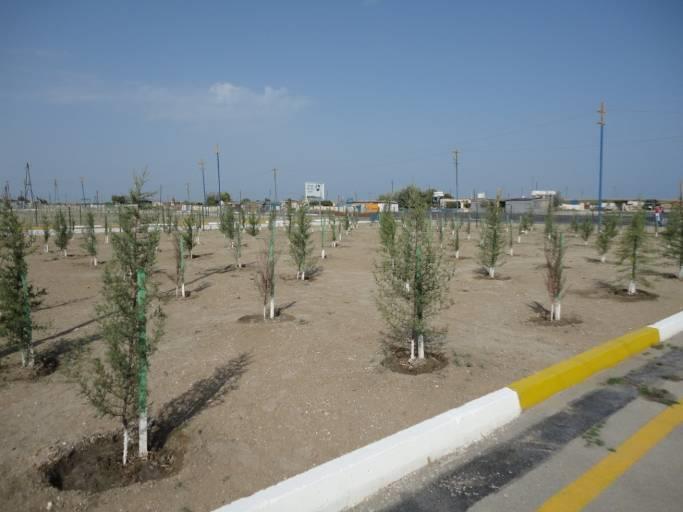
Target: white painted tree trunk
[[457, 254], [407, 286], [176, 291], [106, 239], [603, 258], [420, 347], [94, 261], [555, 311], [519, 239], [322, 254], [265, 312], [468, 236], [65, 253], [125, 446], [47, 248], [492, 272], [303, 275], [512, 251], [182, 290], [142, 435], [272, 308], [412, 349], [632, 288], [680, 272]]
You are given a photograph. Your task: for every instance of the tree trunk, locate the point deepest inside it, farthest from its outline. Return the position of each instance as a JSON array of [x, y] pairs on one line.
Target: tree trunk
[[412, 349], [632, 290], [265, 312], [468, 236], [106, 239], [555, 311], [519, 239], [603, 258], [65, 253], [492, 272], [420, 347], [322, 254], [142, 435], [457, 254], [176, 291], [512, 251], [272, 308], [407, 286], [680, 272], [94, 261], [182, 290], [303, 275], [47, 248], [125, 445]]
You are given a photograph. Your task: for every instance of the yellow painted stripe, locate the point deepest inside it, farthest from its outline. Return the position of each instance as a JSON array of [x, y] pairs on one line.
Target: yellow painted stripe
[[542, 385], [592, 483]]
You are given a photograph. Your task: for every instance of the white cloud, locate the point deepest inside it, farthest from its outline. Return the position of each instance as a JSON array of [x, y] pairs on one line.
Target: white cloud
[[218, 101]]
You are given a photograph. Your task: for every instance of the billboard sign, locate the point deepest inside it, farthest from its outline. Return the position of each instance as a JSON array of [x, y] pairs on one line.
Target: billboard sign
[[314, 190]]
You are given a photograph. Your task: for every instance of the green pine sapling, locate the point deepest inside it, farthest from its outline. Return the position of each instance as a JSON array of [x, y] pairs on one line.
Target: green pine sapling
[[549, 219], [632, 252], [555, 279], [118, 384], [190, 233], [673, 235], [46, 232], [253, 221], [89, 239], [179, 254], [63, 233], [606, 236], [300, 243], [586, 229], [408, 309], [17, 296], [492, 242]]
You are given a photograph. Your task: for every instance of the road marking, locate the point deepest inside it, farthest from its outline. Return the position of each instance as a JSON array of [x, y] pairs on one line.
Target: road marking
[[592, 483]]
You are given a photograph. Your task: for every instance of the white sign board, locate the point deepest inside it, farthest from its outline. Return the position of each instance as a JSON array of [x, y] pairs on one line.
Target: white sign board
[[315, 190]]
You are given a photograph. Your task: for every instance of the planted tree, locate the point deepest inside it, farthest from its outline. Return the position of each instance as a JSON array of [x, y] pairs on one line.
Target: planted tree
[[574, 226], [440, 228], [253, 222], [179, 254], [17, 295], [549, 219], [555, 279], [468, 227], [46, 233], [107, 228], [63, 233], [300, 243], [387, 234], [586, 229], [632, 252], [606, 236], [333, 229], [118, 384], [347, 223], [456, 239], [265, 274], [237, 243], [89, 239], [673, 235], [190, 233], [493, 241], [289, 216], [409, 308], [322, 234], [227, 224]]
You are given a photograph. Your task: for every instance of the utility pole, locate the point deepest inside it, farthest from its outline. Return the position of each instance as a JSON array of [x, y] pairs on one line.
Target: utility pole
[[602, 113], [201, 167], [455, 158], [187, 185], [275, 183], [56, 196], [218, 169], [83, 190], [97, 197]]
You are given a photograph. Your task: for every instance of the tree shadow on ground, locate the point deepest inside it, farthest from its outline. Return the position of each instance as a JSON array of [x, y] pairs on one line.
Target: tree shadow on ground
[[59, 305], [202, 394]]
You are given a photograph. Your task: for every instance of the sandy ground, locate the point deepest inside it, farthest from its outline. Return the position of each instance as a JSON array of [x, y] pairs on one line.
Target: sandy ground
[[312, 388]]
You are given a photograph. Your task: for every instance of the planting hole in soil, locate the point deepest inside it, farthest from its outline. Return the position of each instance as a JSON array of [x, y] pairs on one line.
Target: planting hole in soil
[[94, 465], [397, 360], [258, 319]]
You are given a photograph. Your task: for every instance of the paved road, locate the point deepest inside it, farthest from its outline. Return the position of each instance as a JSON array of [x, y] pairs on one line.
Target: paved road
[[601, 446]]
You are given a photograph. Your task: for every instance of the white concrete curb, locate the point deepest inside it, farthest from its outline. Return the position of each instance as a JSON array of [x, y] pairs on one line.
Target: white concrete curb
[[670, 326], [347, 480]]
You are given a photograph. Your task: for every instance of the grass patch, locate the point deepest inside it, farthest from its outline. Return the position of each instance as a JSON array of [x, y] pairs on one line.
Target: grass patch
[[592, 435], [657, 395]]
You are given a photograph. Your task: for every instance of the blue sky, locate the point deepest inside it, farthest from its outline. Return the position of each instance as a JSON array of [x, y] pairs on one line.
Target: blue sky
[[351, 93]]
